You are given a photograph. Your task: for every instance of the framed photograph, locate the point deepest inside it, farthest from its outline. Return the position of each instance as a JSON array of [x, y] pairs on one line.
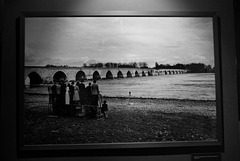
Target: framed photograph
[[119, 84]]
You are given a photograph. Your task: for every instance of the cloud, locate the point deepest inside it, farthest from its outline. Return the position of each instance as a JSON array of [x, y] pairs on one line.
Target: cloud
[[75, 41]]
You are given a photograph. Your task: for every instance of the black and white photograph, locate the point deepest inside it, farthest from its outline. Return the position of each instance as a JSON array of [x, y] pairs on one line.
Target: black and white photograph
[[119, 79], [138, 80]]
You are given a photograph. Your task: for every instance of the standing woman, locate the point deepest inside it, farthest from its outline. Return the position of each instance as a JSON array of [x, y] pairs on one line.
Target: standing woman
[[67, 98], [76, 97], [95, 92], [81, 87]]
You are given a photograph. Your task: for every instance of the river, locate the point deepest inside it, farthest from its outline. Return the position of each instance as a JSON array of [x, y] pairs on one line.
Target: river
[[199, 86]]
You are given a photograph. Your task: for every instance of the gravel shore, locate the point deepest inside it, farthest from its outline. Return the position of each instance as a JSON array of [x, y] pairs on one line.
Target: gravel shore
[[198, 107], [129, 120]]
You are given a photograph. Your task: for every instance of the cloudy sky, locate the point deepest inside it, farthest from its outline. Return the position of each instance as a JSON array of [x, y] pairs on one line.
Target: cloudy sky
[[77, 40]]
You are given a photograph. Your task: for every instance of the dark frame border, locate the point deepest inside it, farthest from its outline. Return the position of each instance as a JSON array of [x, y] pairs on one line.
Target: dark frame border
[[118, 149], [236, 6]]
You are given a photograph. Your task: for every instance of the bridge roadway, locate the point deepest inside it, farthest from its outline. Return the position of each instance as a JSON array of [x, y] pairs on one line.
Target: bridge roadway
[[37, 75]]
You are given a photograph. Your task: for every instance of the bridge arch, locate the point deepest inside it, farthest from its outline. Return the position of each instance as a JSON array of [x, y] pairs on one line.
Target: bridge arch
[[109, 75], [33, 78], [80, 75], [129, 74], [143, 74], [96, 75], [119, 74], [59, 76], [137, 74], [149, 73]]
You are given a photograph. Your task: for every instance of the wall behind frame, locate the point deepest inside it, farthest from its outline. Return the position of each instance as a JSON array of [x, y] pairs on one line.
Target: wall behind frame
[[224, 9]]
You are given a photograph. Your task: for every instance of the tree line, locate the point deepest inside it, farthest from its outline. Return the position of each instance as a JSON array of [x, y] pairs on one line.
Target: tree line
[[107, 65], [116, 65], [192, 67]]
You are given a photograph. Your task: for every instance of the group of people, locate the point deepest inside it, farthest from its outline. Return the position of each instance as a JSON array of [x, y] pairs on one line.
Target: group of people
[[69, 95]]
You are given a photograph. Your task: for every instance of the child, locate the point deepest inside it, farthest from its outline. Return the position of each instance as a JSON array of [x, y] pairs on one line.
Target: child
[[104, 108]]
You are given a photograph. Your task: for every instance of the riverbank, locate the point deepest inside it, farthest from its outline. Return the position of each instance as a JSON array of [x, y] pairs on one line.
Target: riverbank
[[129, 120]]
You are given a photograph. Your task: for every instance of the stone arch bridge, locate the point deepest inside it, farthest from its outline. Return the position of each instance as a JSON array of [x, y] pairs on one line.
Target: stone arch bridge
[[38, 75]]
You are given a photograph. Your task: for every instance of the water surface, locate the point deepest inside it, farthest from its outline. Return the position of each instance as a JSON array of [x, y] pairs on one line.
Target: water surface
[[200, 86], [182, 86]]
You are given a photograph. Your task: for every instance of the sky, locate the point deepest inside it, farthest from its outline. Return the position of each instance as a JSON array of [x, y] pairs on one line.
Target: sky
[[74, 41]]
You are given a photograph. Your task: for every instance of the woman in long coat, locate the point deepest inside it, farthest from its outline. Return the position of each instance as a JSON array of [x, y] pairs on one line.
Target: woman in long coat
[[76, 97]]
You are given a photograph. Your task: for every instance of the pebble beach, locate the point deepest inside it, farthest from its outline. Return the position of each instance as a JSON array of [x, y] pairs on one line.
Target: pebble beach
[[129, 120]]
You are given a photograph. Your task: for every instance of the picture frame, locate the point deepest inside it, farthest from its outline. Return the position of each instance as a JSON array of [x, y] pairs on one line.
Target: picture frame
[[118, 149]]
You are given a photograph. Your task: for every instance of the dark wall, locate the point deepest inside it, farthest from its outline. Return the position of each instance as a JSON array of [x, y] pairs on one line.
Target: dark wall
[[9, 106]]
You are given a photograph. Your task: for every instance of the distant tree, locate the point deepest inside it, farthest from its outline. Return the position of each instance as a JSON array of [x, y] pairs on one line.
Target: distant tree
[[115, 65], [143, 65], [196, 68], [213, 70], [108, 65], [156, 65], [209, 69], [119, 65], [99, 65], [168, 66], [180, 66], [134, 64], [50, 65]]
